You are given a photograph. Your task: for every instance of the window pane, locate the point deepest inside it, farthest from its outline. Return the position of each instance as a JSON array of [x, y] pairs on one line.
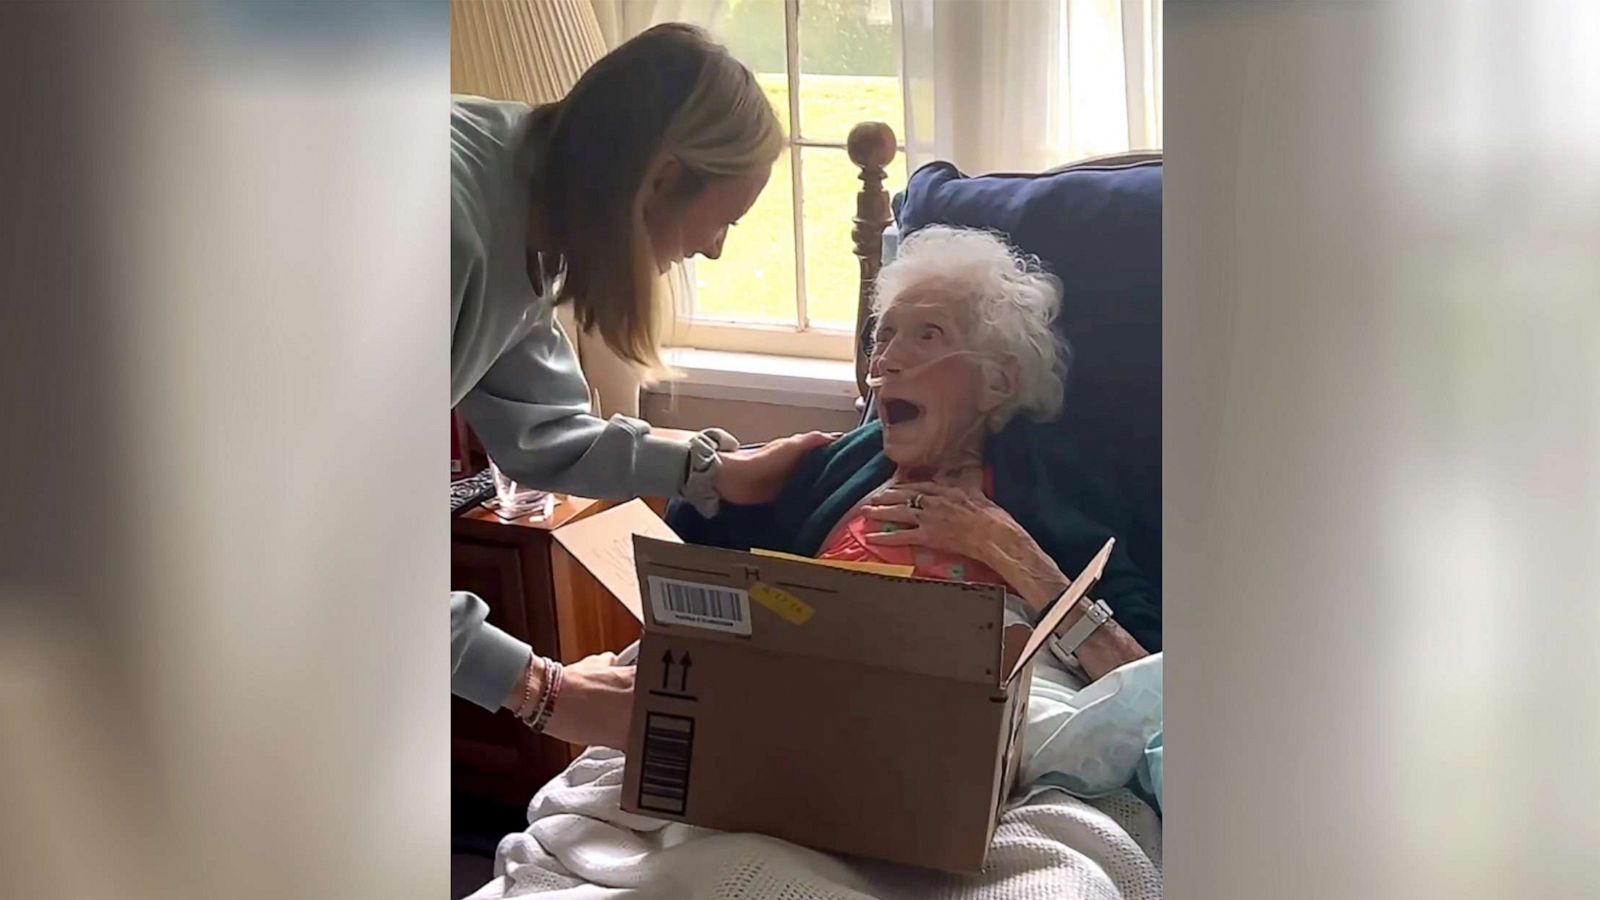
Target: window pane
[[753, 32], [754, 279], [849, 68], [833, 274]]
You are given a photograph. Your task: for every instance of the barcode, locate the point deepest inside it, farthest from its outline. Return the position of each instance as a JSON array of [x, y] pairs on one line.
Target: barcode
[[707, 602], [700, 605], [668, 746]]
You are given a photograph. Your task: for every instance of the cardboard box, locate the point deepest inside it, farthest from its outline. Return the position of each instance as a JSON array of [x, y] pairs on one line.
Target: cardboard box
[[847, 711]]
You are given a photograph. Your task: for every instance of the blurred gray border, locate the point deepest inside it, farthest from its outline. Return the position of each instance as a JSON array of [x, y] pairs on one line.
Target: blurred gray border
[[1382, 449]]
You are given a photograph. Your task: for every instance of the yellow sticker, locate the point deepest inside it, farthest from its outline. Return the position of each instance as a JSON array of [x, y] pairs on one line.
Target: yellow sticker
[[791, 608]]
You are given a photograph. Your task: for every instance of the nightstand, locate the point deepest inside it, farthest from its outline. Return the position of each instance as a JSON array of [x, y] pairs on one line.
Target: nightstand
[[494, 759], [537, 594]]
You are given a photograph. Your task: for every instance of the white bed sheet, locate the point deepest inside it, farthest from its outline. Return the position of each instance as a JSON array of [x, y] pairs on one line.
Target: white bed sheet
[[581, 846]]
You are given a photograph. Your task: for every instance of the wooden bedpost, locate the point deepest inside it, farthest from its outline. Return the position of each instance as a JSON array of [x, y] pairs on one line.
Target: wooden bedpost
[[871, 146]]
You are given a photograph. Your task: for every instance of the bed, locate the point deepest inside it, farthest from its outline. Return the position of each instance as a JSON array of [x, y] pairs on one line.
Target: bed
[[1097, 225]]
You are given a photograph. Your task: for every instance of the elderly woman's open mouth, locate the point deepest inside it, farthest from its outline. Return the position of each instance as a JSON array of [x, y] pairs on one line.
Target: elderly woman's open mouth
[[898, 411]]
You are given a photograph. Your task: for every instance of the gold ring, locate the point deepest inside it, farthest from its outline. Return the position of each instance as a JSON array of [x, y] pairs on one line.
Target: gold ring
[[916, 502]]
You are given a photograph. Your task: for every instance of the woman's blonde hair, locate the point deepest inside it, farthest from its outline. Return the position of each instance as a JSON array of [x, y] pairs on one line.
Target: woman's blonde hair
[[671, 90]]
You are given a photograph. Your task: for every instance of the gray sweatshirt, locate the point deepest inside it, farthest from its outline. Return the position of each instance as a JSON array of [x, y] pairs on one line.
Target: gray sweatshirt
[[514, 375]]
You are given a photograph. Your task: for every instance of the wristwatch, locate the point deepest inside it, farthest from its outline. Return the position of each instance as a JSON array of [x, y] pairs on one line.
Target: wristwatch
[[1096, 614]]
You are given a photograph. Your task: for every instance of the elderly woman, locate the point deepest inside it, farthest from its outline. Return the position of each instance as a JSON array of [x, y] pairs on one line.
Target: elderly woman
[[965, 477], [957, 477], [964, 344]]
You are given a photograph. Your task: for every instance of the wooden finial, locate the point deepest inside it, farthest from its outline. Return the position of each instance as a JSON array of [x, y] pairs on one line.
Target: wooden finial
[[871, 146]]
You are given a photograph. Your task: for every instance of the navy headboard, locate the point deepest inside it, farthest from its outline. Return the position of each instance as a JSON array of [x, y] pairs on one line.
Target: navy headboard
[[1097, 226]]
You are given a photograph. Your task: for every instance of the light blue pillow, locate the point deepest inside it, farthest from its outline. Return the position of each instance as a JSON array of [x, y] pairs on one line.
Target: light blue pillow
[[1094, 740], [1150, 769]]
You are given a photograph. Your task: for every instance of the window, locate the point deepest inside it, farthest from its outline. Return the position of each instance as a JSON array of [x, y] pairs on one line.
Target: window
[[788, 279]]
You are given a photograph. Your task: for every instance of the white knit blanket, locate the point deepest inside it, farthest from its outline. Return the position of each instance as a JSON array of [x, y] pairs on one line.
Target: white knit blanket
[[581, 846]]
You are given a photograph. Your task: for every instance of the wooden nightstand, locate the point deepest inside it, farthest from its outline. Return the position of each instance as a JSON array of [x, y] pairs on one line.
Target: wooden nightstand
[[494, 758], [535, 594]]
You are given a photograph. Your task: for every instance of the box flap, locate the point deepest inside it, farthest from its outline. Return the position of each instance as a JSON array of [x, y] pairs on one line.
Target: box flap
[[603, 544], [1057, 611], [943, 629], [852, 565]]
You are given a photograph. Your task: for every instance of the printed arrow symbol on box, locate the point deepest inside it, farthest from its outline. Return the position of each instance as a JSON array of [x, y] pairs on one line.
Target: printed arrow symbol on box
[[666, 673], [683, 680]]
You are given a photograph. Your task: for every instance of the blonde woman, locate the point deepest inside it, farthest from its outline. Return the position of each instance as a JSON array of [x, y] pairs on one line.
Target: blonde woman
[[655, 153]]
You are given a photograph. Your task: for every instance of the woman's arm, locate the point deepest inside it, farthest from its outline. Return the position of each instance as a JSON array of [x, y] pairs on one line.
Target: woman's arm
[[528, 401], [496, 671], [487, 666], [531, 411]]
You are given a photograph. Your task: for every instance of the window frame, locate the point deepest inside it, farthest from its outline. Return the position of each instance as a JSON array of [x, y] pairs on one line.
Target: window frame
[[799, 338]]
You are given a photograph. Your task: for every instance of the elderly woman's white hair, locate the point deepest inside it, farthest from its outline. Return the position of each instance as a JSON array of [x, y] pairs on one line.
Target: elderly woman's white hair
[[1007, 303]]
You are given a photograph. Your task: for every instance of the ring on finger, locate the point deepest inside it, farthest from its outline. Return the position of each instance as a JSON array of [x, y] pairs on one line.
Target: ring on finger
[[916, 501]]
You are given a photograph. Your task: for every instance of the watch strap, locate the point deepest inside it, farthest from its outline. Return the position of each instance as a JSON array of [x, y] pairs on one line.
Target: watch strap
[[1095, 615]]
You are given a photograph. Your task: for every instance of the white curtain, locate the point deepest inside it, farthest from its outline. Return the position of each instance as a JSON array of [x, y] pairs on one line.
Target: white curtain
[[1026, 85], [622, 19]]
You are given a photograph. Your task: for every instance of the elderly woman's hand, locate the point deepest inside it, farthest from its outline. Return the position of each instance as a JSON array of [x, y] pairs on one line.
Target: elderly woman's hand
[[941, 517], [964, 521]]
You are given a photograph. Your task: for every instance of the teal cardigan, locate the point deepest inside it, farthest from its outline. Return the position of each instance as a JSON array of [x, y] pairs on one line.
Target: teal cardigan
[[1039, 479]]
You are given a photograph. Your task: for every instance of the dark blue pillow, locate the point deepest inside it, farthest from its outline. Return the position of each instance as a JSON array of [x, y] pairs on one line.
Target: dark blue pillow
[[1098, 228]]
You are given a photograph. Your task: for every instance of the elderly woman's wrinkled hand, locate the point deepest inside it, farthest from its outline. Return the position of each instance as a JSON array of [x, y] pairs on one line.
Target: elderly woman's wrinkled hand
[[941, 517]]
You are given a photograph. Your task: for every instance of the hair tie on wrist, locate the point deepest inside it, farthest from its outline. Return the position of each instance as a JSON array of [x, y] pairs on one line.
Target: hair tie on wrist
[[700, 485]]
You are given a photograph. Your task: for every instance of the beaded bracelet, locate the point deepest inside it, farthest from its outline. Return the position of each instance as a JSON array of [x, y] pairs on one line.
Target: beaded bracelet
[[547, 706], [540, 715], [535, 661]]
